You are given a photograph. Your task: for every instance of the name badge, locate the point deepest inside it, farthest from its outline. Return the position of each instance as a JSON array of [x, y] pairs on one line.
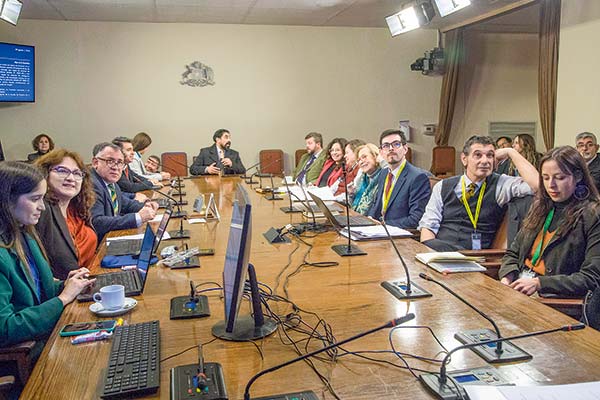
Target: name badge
[[476, 241], [527, 274]]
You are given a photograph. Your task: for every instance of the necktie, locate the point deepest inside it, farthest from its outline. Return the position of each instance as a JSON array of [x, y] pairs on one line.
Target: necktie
[[302, 173], [113, 198], [126, 171], [470, 191]]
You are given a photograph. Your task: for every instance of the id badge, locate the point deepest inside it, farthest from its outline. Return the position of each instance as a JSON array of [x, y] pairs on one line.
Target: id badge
[[475, 241], [527, 274]]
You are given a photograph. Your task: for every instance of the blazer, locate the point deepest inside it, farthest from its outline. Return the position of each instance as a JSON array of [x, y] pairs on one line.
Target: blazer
[[594, 168], [572, 258], [56, 238], [134, 183], [408, 199], [22, 315], [209, 155], [103, 217], [314, 170]]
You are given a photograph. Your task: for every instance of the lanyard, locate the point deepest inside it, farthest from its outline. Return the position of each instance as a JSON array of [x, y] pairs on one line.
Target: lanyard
[[479, 201], [540, 247], [386, 196]]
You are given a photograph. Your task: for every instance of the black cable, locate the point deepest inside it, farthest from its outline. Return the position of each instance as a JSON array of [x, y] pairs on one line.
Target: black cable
[[186, 350]]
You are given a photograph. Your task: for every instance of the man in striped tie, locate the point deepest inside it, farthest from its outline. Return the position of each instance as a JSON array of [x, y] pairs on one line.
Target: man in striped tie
[[111, 210], [403, 189]]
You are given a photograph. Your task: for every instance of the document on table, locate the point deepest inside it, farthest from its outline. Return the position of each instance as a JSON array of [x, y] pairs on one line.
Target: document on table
[[359, 233], [576, 391], [324, 193]]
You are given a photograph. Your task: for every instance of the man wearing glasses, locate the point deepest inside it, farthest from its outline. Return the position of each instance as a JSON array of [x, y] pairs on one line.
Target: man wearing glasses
[[403, 189], [587, 146], [111, 210]]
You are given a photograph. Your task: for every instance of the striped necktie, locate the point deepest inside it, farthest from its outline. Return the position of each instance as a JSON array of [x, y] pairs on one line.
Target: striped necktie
[[470, 191], [113, 198]]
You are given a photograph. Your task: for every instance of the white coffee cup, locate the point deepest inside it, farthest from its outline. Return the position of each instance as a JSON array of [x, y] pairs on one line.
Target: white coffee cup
[[111, 297]]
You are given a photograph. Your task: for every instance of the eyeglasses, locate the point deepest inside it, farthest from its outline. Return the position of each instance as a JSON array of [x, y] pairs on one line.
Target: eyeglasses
[[395, 144], [588, 145], [63, 172], [113, 163]]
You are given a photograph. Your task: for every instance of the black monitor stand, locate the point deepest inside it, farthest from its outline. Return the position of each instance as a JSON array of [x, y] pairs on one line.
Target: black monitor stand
[[248, 327]]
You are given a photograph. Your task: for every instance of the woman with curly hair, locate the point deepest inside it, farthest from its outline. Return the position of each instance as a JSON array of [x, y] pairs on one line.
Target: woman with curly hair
[[557, 249], [65, 226], [42, 144], [332, 169]]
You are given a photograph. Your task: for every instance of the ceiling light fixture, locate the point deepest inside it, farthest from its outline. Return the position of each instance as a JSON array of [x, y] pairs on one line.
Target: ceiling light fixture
[[410, 18]]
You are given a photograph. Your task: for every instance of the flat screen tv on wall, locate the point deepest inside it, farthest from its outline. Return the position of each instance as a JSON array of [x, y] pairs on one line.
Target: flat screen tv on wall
[[17, 73]]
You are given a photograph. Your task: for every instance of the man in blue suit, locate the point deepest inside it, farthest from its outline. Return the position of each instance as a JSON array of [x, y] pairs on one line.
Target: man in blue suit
[[403, 189], [111, 210]]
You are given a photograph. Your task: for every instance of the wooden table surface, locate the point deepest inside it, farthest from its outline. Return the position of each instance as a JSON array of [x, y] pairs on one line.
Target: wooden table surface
[[348, 297]]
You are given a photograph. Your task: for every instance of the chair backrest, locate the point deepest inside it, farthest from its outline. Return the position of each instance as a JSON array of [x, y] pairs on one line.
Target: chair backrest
[[174, 162], [20, 353], [271, 161], [408, 155], [443, 161], [298, 155], [433, 180], [500, 241]]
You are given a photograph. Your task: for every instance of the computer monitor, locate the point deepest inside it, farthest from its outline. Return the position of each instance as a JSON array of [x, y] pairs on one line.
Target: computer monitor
[[237, 268]]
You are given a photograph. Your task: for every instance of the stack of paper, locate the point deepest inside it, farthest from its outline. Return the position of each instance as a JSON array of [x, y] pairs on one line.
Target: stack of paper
[[374, 232], [451, 261]]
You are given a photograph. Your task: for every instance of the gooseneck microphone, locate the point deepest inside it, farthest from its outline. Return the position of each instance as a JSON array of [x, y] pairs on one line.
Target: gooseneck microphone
[[259, 173], [247, 178], [291, 208], [402, 290], [311, 226], [390, 324], [512, 353], [348, 249], [273, 195], [438, 384]]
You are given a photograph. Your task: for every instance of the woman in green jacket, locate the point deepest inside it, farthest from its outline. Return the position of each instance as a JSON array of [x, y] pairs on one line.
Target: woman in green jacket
[[31, 300]]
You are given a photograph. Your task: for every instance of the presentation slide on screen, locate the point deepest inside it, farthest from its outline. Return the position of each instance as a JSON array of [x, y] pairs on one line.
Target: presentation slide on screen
[[17, 83]]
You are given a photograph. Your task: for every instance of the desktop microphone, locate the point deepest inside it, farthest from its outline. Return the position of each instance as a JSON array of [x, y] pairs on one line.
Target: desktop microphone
[[402, 290], [247, 178], [309, 226], [390, 324], [177, 214], [502, 352], [349, 249], [273, 195], [259, 173], [439, 386], [291, 208]]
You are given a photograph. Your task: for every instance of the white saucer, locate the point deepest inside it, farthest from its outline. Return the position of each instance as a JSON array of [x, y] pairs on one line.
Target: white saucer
[[97, 309]]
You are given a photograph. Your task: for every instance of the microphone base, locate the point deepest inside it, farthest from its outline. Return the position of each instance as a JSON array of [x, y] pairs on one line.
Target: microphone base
[[510, 352], [182, 376], [398, 290], [179, 234], [344, 250], [190, 262], [250, 182], [183, 308], [290, 210], [275, 197], [474, 376], [244, 329], [274, 236], [179, 214], [306, 395]]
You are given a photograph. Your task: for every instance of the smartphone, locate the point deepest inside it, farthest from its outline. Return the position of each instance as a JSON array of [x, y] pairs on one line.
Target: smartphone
[[206, 252], [81, 328]]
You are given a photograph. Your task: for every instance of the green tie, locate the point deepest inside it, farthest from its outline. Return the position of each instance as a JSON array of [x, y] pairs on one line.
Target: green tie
[[470, 191], [113, 198]]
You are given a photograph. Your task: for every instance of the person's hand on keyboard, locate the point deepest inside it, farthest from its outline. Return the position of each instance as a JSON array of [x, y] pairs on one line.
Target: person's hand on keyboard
[[76, 282]]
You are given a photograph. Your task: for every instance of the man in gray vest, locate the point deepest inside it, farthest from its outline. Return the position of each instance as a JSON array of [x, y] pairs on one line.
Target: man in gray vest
[[464, 212]]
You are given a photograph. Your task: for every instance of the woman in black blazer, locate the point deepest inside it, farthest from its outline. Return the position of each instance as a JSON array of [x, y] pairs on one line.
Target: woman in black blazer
[[65, 227], [557, 251]]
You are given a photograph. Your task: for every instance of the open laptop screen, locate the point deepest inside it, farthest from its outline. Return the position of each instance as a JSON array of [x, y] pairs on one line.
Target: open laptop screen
[[143, 262], [161, 228]]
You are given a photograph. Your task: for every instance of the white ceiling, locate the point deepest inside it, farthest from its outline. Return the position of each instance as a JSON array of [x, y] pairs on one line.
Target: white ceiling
[[357, 13]]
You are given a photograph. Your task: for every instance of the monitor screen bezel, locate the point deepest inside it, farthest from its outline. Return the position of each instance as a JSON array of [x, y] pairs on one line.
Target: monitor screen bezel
[[33, 74]]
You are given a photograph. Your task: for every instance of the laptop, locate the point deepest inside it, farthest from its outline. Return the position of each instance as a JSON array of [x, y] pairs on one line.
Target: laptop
[[134, 280], [132, 246], [340, 221]]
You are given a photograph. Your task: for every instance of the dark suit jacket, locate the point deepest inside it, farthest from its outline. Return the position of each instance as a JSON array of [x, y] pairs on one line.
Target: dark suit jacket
[[209, 155], [135, 183], [103, 218], [408, 199], [572, 259], [56, 238], [594, 168]]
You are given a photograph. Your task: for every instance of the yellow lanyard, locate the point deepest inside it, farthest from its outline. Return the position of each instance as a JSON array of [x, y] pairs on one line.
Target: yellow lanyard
[[386, 197], [479, 201]]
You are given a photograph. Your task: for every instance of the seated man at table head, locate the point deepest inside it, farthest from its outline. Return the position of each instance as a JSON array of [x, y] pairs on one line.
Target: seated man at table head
[[587, 146], [111, 210], [152, 164], [403, 189], [65, 226], [557, 250], [309, 168], [31, 300], [141, 143], [464, 212], [130, 181], [218, 158]]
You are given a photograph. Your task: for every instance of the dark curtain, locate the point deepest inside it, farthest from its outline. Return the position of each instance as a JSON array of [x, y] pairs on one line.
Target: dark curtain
[[548, 67], [454, 51]]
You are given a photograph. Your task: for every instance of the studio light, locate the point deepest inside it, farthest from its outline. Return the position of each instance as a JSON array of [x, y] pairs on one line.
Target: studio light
[[446, 7], [410, 18]]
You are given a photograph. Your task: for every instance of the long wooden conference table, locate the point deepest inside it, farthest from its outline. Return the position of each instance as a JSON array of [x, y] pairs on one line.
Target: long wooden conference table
[[348, 297]]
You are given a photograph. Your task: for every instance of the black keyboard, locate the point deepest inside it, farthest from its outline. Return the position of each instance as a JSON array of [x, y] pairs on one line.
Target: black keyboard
[[125, 278], [355, 220], [124, 247], [134, 362]]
